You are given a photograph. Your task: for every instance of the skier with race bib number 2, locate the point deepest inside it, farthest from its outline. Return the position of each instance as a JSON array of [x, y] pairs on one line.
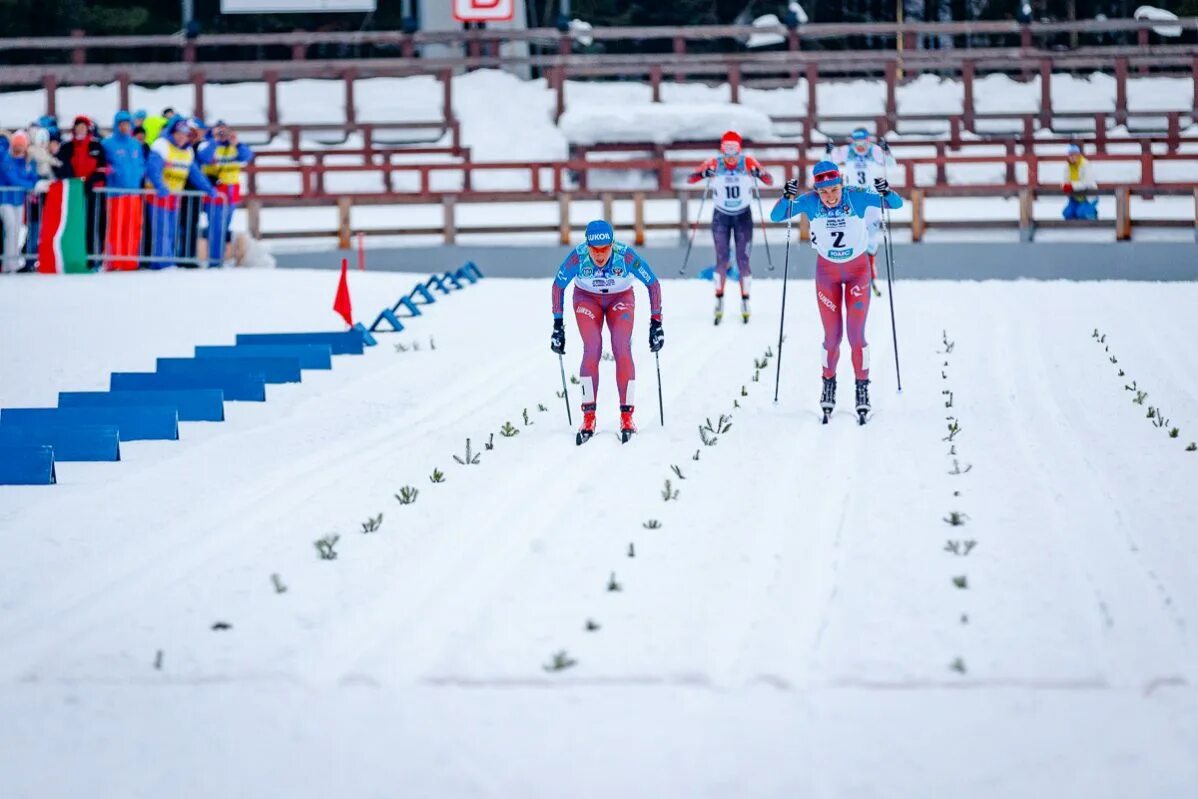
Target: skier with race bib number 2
[[603, 270], [840, 219], [733, 178]]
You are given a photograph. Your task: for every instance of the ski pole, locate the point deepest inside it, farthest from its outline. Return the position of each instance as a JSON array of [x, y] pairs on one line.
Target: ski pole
[[769, 257], [890, 278], [661, 408], [785, 275], [695, 228], [565, 391]]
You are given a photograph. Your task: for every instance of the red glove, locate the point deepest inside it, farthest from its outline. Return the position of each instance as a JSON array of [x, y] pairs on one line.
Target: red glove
[[1068, 187]]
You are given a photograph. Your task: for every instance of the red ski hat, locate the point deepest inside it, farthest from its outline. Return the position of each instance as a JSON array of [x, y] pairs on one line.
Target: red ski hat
[[730, 139]]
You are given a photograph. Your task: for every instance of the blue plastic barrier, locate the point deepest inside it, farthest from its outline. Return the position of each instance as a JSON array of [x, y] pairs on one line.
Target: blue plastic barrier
[[99, 442], [388, 316], [311, 356], [452, 278], [351, 342], [26, 465], [142, 422], [465, 272], [426, 297], [236, 387], [472, 268], [273, 370], [439, 282], [194, 405]]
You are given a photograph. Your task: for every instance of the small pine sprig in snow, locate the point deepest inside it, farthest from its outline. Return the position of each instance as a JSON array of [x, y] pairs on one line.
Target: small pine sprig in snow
[[961, 581], [326, 546], [437, 476], [526, 420], [652, 524], [613, 585], [508, 430], [956, 518], [407, 495], [471, 457], [677, 472], [277, 582], [669, 492], [372, 524], [560, 662]]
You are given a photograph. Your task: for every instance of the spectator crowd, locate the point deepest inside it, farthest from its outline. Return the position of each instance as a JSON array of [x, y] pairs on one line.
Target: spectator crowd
[[145, 186]]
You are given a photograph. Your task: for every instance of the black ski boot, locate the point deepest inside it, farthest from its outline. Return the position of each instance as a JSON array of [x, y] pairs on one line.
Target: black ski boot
[[719, 308], [862, 401], [827, 400]]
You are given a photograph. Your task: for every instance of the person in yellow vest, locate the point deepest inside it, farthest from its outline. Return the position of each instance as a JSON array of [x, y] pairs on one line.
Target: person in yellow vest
[[170, 165], [222, 158], [1078, 181]]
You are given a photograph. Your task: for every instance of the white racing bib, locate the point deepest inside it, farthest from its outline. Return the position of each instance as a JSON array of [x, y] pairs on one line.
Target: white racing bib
[[732, 191], [839, 236]]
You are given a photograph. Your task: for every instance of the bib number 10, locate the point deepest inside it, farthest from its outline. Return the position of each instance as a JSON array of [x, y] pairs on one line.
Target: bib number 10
[[732, 191]]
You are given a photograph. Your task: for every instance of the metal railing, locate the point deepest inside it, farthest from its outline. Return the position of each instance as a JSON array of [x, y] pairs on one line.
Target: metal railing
[[124, 229], [135, 228]]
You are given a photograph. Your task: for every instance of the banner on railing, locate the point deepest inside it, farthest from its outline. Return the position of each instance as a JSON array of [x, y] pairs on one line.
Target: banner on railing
[[63, 243]]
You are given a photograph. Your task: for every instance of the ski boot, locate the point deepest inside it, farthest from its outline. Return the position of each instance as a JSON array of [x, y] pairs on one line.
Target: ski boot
[[827, 400], [862, 401], [719, 308], [627, 427], [588, 425], [744, 309]]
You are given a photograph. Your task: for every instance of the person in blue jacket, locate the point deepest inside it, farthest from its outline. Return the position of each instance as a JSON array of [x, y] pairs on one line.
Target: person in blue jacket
[[171, 166], [18, 174], [126, 174]]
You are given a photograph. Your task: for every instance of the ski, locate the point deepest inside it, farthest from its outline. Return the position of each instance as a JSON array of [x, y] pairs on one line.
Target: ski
[[862, 416], [583, 437], [827, 413], [626, 436]]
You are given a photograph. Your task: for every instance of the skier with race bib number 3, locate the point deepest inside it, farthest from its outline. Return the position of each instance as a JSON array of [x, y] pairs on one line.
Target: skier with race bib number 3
[[603, 270], [863, 162], [733, 178], [840, 220]]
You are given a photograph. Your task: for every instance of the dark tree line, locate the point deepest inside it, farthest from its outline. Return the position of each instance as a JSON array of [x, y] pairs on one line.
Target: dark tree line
[[115, 17]]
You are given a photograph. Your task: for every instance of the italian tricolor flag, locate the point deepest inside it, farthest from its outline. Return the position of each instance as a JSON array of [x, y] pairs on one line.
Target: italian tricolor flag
[[63, 245]]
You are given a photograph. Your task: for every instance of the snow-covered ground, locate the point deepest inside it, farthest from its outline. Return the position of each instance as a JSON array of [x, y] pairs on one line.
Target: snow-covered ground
[[794, 627]]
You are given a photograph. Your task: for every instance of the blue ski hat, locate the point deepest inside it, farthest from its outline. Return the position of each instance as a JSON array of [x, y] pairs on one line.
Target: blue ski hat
[[600, 234], [826, 174], [860, 134], [1074, 149]]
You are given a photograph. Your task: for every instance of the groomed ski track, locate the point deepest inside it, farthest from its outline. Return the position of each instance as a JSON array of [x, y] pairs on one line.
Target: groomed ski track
[[790, 629]]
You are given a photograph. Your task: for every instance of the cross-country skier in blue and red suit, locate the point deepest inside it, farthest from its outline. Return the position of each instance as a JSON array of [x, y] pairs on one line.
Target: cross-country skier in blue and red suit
[[841, 219], [603, 270]]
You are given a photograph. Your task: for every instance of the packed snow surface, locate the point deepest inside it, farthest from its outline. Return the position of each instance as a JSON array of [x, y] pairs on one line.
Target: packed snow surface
[[798, 624]]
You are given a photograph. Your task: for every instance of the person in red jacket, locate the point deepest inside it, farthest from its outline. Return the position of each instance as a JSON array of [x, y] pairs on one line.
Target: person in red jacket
[[732, 177], [83, 157]]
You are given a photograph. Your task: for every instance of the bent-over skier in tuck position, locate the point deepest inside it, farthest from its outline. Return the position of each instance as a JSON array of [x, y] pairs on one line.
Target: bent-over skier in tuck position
[[603, 270]]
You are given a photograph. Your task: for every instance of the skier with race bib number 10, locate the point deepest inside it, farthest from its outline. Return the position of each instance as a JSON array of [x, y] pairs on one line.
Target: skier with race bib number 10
[[840, 220], [733, 177], [603, 270]]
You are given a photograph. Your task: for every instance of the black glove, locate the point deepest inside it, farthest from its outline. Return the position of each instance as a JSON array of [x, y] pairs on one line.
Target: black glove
[[756, 173], [828, 147], [656, 337], [557, 342], [882, 143], [709, 172], [881, 186], [791, 189]]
